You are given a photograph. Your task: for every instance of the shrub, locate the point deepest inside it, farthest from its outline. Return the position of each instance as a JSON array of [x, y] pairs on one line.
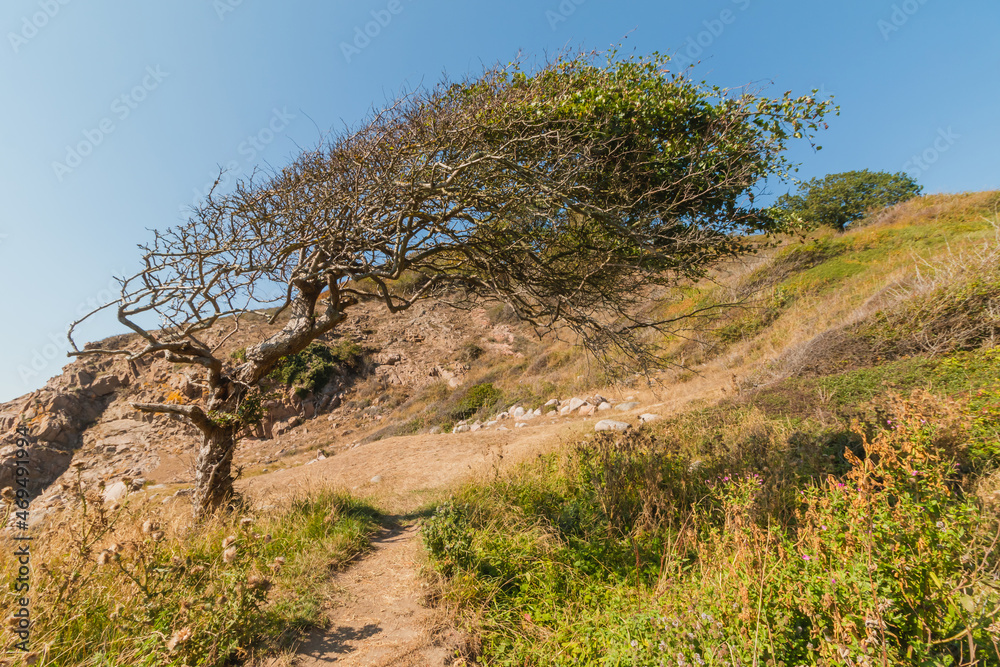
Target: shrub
[[312, 368], [481, 396]]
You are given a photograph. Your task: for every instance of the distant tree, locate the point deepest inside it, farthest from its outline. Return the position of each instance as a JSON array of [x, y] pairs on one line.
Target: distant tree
[[567, 193], [838, 200]]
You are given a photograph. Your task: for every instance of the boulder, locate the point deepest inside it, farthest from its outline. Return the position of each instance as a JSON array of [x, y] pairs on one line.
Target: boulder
[[649, 417], [518, 412], [575, 403], [564, 410], [586, 410], [624, 407], [611, 425], [603, 406], [552, 403], [107, 384], [115, 492]]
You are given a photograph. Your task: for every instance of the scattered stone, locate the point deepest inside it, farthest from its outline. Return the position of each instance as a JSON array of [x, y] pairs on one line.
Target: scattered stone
[[604, 406], [115, 492], [575, 403], [518, 412], [586, 410], [625, 407], [435, 430], [649, 417], [520, 425], [611, 425], [461, 428], [564, 410], [553, 403], [538, 412], [376, 479], [475, 427]]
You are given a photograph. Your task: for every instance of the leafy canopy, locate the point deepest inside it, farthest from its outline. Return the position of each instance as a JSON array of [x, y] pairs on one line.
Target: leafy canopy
[[840, 199]]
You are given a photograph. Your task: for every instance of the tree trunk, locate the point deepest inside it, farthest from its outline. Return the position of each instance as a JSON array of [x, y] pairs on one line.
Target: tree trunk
[[213, 470]]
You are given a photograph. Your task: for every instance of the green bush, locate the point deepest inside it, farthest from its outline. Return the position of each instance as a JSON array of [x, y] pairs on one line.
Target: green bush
[[310, 369], [481, 396]]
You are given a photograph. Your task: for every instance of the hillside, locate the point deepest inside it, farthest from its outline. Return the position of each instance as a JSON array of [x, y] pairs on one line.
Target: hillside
[[549, 543]]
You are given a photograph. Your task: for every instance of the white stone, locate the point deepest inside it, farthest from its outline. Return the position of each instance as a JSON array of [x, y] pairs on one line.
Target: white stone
[[376, 479], [564, 410], [520, 425], [463, 428], [611, 425], [649, 417], [518, 412], [552, 403], [575, 403], [603, 406], [624, 407], [115, 492], [538, 412]]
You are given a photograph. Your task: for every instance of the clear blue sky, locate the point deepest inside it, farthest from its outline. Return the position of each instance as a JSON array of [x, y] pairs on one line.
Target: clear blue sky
[[114, 115]]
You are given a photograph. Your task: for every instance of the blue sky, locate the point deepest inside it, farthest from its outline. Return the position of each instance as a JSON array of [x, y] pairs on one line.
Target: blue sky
[[114, 116]]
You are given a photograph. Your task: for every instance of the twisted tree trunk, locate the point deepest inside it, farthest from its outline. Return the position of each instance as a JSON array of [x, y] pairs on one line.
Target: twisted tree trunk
[[213, 477]]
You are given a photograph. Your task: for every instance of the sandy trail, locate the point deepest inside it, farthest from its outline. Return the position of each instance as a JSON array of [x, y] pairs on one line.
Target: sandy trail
[[381, 617]]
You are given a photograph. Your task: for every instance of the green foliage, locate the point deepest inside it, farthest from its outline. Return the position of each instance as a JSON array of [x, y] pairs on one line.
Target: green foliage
[[481, 396], [837, 200], [132, 587], [633, 550], [310, 369]]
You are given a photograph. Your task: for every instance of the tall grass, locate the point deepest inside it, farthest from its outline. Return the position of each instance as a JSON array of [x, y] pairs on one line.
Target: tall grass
[[773, 543], [140, 584]]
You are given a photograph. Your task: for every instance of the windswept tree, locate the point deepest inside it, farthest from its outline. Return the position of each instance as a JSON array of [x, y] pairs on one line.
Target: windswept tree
[[567, 192]]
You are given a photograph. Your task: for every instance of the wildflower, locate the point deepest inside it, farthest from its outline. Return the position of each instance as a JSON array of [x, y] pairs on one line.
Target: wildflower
[[229, 555], [939, 524], [178, 637], [228, 541], [806, 557], [157, 535], [31, 658], [634, 643], [276, 565], [698, 659], [149, 526], [197, 569], [8, 494], [663, 646]]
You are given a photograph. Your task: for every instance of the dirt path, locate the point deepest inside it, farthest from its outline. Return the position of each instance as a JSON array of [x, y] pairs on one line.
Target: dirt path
[[381, 618]]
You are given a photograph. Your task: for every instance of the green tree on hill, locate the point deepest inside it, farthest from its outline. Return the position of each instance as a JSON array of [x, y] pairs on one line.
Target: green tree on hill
[[838, 200]]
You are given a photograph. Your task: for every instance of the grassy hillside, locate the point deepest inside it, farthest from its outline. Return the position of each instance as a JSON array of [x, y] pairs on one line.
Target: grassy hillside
[[835, 504]]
